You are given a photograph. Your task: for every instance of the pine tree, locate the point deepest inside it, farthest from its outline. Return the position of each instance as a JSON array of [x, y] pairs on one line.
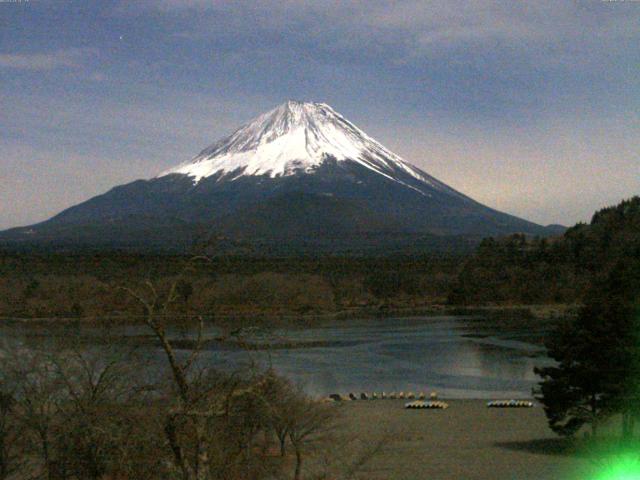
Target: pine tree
[[598, 356]]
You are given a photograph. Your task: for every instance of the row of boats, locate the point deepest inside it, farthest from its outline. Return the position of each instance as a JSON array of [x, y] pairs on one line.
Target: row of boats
[[420, 400], [510, 404], [337, 397], [493, 404], [419, 404]]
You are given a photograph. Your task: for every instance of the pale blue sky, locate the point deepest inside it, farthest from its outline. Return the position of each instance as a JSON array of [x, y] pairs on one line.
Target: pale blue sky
[[529, 107]]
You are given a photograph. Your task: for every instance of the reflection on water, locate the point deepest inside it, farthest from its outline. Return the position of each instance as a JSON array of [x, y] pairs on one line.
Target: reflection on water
[[458, 357]]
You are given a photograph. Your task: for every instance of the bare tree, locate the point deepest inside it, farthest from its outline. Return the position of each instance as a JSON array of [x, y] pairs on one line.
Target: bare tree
[[214, 420], [78, 413], [10, 460], [277, 394], [38, 396], [310, 422], [207, 404], [95, 416], [190, 406]]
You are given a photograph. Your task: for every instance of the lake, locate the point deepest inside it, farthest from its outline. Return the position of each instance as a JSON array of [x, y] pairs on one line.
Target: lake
[[459, 357]]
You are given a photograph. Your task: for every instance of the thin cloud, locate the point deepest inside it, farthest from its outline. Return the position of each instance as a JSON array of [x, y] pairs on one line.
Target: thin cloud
[[411, 28], [69, 58]]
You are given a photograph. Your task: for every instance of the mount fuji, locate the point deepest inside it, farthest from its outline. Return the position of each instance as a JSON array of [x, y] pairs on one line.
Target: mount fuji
[[300, 174]]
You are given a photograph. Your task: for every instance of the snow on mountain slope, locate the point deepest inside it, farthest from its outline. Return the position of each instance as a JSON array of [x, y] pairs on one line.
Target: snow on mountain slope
[[298, 137]]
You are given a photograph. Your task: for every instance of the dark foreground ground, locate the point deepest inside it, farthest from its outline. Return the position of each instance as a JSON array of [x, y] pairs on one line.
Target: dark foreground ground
[[466, 441]]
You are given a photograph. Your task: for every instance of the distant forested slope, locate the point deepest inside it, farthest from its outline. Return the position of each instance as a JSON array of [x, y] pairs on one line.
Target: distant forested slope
[[517, 269]]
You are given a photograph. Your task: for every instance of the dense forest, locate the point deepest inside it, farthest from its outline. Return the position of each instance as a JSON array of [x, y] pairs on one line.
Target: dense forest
[[522, 270], [514, 270], [89, 285]]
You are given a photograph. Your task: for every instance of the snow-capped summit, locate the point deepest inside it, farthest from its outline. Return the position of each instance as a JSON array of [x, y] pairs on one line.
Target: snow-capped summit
[[292, 138]]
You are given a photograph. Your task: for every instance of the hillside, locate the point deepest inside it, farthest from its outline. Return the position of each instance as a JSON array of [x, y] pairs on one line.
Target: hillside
[[517, 269]]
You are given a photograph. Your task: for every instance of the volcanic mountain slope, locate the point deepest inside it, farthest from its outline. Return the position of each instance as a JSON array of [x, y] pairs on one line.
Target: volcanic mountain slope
[[300, 172]]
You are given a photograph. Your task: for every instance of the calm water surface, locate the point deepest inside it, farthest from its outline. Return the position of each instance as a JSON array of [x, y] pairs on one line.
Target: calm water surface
[[456, 356]]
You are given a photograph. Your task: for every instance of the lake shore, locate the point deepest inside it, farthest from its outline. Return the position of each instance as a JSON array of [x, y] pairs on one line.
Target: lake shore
[[466, 441], [502, 313]]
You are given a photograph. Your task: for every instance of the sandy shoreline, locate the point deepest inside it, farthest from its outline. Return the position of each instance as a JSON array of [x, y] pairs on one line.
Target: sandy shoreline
[[465, 441]]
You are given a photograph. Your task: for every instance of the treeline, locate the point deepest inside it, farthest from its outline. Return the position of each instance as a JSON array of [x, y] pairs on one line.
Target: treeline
[[523, 270], [83, 286], [514, 270]]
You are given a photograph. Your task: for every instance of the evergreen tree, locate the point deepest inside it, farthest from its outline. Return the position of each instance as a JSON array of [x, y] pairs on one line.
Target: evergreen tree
[[598, 356]]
